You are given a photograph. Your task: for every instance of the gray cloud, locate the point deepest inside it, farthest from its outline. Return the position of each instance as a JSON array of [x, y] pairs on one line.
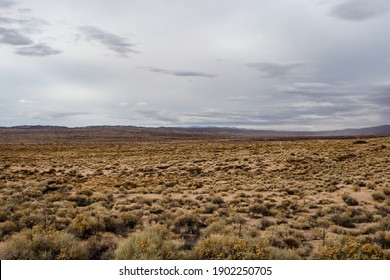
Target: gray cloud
[[12, 37], [48, 115], [40, 49], [380, 95], [280, 70], [317, 89], [6, 20], [273, 117], [28, 24], [181, 73], [360, 10], [342, 101], [7, 3], [117, 44]]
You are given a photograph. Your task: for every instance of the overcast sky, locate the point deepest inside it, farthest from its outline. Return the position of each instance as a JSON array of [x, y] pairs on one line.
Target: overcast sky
[[266, 64]]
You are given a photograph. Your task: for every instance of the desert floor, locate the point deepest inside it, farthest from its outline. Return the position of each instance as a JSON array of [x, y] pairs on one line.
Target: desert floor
[[303, 199]]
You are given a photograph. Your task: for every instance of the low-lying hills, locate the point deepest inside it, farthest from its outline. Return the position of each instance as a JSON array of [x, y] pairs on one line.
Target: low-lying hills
[[31, 134]]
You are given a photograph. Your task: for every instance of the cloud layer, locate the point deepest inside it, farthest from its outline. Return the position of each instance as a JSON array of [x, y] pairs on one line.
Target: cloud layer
[[302, 65]]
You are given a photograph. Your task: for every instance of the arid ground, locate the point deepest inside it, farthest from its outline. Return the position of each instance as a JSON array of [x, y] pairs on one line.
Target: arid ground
[[233, 199]]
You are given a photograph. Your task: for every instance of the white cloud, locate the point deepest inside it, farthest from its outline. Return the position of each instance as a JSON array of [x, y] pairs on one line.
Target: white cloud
[[26, 101]]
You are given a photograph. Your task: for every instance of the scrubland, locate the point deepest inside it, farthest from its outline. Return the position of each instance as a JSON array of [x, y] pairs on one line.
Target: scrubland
[[306, 199]]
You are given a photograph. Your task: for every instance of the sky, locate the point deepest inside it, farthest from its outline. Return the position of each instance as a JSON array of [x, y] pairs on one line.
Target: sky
[[263, 64]]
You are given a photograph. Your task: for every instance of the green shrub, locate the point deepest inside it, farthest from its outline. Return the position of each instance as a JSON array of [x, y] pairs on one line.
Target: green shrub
[[151, 244], [225, 247]]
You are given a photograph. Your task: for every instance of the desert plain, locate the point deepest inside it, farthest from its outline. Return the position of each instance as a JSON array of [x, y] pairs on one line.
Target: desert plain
[[195, 199]]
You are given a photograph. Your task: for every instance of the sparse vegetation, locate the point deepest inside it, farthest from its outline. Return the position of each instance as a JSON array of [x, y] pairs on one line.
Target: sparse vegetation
[[311, 199]]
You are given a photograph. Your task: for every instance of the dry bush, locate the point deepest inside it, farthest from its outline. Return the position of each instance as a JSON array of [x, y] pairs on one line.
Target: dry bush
[[260, 209], [349, 200], [187, 223], [100, 247], [225, 247], [348, 248], [151, 244], [84, 226], [6, 228], [42, 244], [379, 196], [282, 236], [219, 226], [343, 220]]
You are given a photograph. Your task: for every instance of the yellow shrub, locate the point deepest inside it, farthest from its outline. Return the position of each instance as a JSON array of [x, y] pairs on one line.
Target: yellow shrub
[[224, 247]]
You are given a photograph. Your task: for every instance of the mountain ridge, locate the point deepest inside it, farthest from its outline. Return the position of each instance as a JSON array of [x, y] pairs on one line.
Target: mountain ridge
[[42, 133]]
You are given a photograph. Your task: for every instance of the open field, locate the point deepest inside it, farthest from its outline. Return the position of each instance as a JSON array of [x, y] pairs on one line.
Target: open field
[[307, 199]]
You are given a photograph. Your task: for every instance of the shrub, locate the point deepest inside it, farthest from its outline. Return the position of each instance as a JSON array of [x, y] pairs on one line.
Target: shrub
[[42, 244], [130, 220], [349, 200], [348, 248], [260, 209], [219, 226], [6, 228], [217, 200], [187, 224], [81, 200], [343, 220], [386, 190], [378, 196], [225, 247], [85, 226], [151, 244], [209, 208], [100, 248], [283, 236]]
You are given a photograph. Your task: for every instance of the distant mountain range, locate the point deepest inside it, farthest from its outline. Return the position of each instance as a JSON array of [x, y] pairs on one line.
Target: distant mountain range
[[38, 133]]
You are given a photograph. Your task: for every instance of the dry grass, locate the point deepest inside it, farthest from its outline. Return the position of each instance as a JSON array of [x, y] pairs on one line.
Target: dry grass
[[297, 197]]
